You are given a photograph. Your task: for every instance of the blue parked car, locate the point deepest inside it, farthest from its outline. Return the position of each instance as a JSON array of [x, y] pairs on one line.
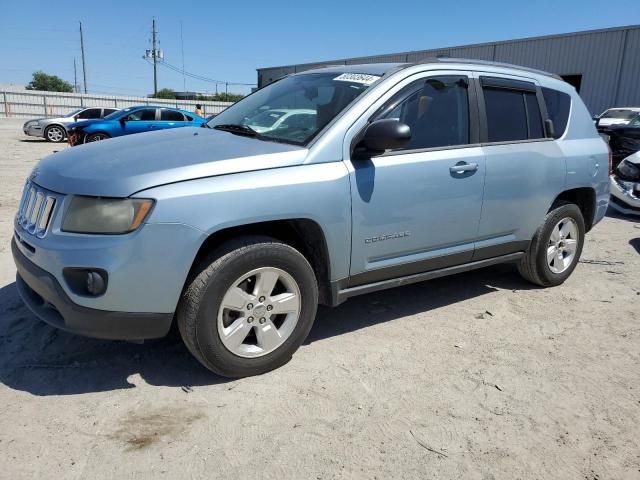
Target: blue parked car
[[131, 120]]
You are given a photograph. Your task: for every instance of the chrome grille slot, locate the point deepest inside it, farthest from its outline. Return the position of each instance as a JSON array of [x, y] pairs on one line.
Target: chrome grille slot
[[35, 210]]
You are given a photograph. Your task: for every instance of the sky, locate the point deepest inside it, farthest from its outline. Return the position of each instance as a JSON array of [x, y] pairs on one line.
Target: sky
[[227, 41]]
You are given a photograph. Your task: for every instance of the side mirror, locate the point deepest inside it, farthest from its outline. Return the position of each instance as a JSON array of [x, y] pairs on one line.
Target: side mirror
[[76, 117], [123, 120], [385, 134]]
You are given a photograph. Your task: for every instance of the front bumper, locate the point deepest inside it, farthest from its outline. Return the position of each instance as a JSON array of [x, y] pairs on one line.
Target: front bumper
[[625, 196], [75, 137], [45, 297], [32, 130]]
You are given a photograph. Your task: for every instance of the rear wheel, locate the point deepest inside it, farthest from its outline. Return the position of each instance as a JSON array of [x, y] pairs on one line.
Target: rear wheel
[[248, 307], [96, 137], [556, 247], [55, 133]]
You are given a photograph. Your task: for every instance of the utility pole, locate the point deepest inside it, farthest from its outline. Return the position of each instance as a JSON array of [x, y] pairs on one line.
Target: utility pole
[[84, 65], [155, 57], [184, 79], [75, 77]]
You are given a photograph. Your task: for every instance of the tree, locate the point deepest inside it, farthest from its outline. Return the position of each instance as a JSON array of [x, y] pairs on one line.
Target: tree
[[165, 93], [48, 83], [222, 97]]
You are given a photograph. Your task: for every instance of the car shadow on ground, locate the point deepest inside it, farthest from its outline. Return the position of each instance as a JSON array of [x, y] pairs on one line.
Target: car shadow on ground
[[33, 140], [620, 216], [42, 360]]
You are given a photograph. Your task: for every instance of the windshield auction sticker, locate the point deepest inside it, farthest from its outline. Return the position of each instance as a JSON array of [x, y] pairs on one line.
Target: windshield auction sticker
[[362, 78]]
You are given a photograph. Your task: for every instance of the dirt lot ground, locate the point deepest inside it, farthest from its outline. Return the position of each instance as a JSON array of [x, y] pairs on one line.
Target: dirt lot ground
[[474, 376]]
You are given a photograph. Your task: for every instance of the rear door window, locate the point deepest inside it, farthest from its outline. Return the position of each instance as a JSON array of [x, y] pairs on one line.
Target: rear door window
[[512, 114], [558, 106], [171, 115], [506, 115]]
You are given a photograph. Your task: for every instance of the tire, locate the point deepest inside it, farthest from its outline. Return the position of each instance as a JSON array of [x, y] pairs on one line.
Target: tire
[[96, 137], [535, 266], [209, 329], [55, 133]]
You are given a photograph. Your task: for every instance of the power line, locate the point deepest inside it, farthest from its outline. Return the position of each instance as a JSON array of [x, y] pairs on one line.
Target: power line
[[199, 77]]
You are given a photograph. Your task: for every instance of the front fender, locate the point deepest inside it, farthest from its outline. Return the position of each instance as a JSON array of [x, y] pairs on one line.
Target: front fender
[[319, 192]]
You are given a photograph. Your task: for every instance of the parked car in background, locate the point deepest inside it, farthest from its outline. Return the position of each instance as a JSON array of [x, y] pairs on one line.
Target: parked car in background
[[54, 129], [409, 172], [616, 116], [293, 118], [624, 139], [131, 120], [625, 186]]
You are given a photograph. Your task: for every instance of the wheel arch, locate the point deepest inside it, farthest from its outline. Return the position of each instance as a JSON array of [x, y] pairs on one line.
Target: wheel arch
[[584, 198], [303, 234], [93, 132], [54, 125]]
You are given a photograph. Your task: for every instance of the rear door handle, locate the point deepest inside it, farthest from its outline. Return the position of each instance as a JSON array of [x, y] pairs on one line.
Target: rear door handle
[[463, 167]]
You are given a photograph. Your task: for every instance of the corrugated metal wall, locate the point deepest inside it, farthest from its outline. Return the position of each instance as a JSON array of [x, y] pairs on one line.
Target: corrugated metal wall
[[608, 60], [29, 103]]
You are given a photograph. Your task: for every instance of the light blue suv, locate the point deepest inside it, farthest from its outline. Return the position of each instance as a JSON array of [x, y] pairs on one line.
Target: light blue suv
[[408, 172]]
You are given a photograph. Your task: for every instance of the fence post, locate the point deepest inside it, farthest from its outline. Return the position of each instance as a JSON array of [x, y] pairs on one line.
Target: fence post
[[44, 104], [115, 102], [6, 105]]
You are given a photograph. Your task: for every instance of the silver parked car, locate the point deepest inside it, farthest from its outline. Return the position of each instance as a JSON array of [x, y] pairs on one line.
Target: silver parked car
[[54, 129], [408, 172]]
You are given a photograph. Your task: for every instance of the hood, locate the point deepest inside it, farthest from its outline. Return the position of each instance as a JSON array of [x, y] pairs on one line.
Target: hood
[[84, 123], [121, 166]]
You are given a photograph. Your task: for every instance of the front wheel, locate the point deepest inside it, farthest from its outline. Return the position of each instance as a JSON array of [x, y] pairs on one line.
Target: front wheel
[[96, 137], [55, 133], [247, 308], [556, 247]]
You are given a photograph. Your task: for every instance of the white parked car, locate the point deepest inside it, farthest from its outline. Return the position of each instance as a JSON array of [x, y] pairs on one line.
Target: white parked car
[[617, 116], [54, 129], [625, 186], [275, 119]]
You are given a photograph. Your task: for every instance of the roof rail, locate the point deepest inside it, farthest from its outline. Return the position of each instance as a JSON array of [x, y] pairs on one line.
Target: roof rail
[[487, 62]]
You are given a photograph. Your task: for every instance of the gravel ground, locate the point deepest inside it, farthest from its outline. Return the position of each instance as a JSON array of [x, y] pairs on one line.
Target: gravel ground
[[479, 375]]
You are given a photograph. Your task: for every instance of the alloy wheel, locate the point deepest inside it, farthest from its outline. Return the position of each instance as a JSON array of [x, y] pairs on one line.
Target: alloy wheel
[[55, 134], [259, 312], [562, 246]]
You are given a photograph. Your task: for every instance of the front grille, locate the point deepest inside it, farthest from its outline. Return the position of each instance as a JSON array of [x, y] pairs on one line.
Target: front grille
[[36, 209]]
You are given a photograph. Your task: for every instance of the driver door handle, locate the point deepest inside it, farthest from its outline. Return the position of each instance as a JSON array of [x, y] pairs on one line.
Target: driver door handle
[[463, 167]]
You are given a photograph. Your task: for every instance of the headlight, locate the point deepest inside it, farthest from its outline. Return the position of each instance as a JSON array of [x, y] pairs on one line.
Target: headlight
[[628, 171], [105, 215]]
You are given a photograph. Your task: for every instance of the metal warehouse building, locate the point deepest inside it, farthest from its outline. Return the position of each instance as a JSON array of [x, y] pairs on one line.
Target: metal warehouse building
[[603, 65]]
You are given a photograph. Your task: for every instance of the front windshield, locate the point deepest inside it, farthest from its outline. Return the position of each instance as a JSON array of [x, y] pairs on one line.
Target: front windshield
[[75, 112], [296, 108], [117, 113], [620, 114]]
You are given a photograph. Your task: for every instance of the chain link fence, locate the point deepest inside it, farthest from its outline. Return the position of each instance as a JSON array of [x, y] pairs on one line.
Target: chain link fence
[[34, 103]]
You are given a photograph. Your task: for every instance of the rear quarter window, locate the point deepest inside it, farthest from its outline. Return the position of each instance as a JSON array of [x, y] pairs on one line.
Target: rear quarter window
[[558, 106]]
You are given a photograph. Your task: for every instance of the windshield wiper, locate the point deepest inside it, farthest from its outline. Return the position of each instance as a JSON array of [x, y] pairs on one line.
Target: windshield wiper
[[237, 128]]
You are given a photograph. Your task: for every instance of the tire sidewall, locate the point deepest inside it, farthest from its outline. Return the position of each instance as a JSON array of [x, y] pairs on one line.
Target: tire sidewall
[[231, 268], [572, 211]]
